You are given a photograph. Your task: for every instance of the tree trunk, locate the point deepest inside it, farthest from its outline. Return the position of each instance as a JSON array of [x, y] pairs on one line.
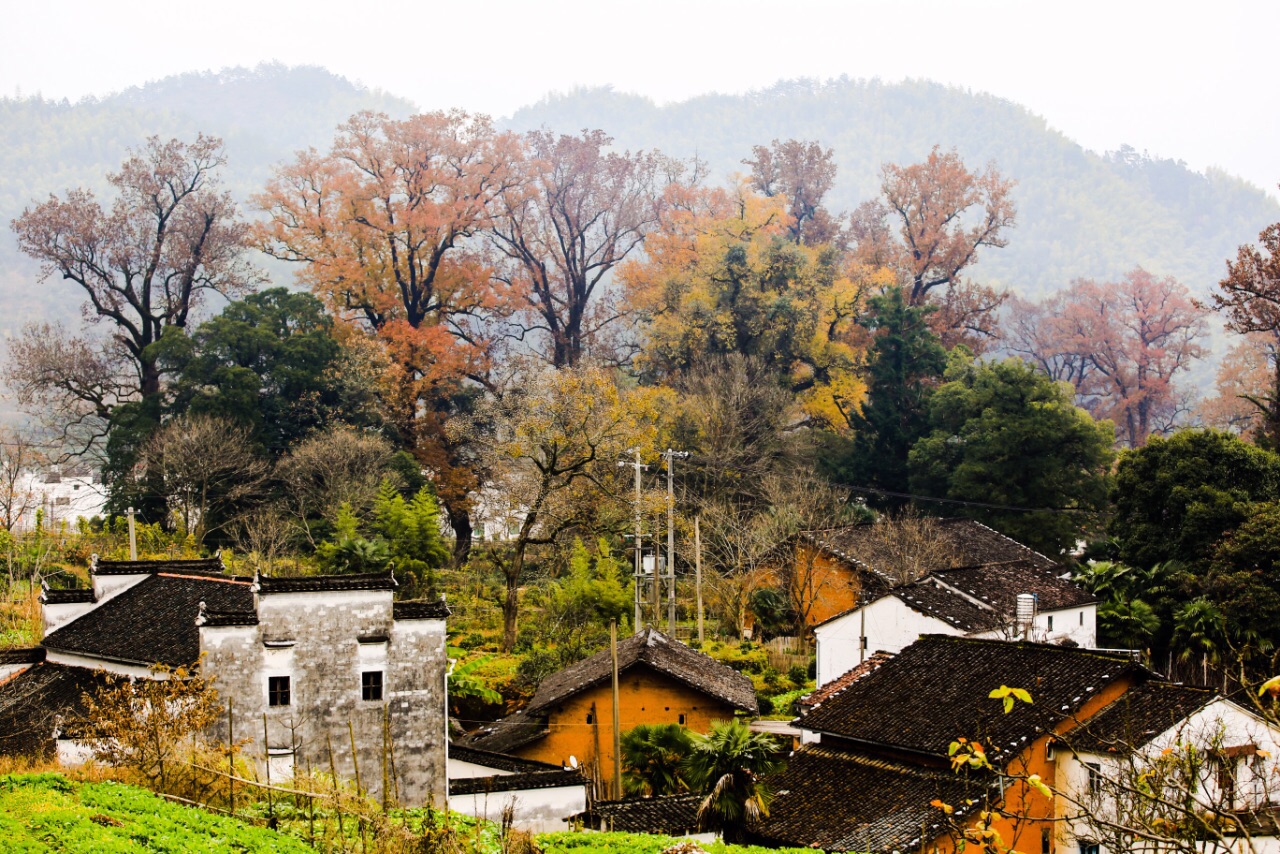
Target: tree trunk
[[460, 521], [511, 604]]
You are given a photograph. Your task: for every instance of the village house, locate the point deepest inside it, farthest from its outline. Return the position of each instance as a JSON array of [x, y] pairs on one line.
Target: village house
[[569, 720], [314, 655], [875, 772], [865, 588], [539, 796]]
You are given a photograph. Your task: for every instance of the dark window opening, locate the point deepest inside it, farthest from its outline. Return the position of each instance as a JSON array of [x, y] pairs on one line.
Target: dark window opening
[[1088, 848], [681, 720], [1051, 622], [1095, 777], [371, 685], [591, 718], [277, 690]]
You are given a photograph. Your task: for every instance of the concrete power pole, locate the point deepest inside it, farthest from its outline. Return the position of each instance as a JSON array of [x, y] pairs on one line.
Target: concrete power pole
[[639, 563], [670, 455]]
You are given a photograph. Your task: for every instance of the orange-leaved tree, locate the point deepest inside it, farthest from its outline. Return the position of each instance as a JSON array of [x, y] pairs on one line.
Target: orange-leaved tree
[[385, 227]]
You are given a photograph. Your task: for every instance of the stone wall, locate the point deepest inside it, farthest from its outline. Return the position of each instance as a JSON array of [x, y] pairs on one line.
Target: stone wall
[[323, 641]]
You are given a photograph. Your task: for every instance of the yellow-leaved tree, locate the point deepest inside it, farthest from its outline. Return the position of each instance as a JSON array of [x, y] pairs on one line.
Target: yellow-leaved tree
[[724, 276], [553, 439]]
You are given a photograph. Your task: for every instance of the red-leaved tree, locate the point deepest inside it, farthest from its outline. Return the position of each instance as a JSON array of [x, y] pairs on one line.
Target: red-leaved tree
[[1121, 344]]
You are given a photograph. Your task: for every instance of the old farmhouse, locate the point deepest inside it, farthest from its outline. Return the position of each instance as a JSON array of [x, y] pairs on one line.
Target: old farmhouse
[[314, 655], [570, 718], [869, 587], [874, 773]]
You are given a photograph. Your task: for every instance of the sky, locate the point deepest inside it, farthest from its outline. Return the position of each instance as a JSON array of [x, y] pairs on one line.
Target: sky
[[1191, 81]]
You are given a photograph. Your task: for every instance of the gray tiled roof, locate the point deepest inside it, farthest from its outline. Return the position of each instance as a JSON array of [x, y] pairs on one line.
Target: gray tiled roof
[[659, 652], [153, 622], [915, 702]]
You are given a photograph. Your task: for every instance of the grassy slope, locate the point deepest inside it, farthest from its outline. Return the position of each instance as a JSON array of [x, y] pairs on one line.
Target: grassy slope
[[48, 812]]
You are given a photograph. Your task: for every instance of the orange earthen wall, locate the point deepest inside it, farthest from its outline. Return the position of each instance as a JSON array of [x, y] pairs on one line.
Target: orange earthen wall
[[1037, 813], [823, 586], [644, 697]]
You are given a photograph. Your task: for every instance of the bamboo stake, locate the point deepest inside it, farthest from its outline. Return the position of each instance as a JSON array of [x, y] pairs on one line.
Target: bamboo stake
[[355, 764], [266, 753], [337, 798], [231, 757]]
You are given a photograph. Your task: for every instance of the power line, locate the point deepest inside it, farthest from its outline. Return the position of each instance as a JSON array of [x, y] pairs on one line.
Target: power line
[[984, 505]]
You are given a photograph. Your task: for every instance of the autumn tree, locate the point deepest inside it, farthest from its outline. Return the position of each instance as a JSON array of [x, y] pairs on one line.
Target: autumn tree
[[1121, 344], [385, 227], [724, 278], [802, 172], [146, 724], [580, 212], [929, 226], [554, 440], [20, 456], [144, 264], [1245, 388], [1249, 297]]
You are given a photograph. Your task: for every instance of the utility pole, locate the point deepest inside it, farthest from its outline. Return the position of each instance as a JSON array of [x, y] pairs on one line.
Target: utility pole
[[670, 455], [133, 537], [639, 563], [697, 569], [617, 727]]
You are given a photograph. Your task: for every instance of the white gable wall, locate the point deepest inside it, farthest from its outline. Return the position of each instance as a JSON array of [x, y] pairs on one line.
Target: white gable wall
[[1221, 725], [891, 626]]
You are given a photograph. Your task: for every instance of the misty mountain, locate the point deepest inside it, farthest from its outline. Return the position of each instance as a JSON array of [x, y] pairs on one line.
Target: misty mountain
[[1080, 214]]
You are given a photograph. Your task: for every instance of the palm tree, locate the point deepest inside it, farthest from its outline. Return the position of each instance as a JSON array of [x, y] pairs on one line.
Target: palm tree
[[726, 767], [651, 759]]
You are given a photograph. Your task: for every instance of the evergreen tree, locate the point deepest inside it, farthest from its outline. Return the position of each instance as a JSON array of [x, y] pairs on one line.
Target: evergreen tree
[[1005, 433], [907, 360]]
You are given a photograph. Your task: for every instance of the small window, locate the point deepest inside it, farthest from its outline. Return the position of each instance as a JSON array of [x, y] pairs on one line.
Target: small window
[[681, 720], [1089, 848], [590, 718], [1082, 618], [1051, 622], [278, 690], [371, 685], [1095, 777]]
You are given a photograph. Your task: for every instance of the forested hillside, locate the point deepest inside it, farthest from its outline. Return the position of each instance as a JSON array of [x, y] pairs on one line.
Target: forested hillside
[[263, 114], [1080, 213]]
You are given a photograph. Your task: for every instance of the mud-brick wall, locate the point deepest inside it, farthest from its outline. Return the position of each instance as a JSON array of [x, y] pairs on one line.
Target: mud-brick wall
[[323, 641]]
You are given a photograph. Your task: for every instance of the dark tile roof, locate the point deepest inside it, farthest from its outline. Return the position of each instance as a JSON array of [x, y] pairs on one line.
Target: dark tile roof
[[511, 733], [553, 779], [499, 761], [326, 583], [998, 585], [208, 566], [1138, 716], [936, 690], [670, 815], [947, 605], [223, 619], [32, 702], [54, 596], [29, 655], [417, 609], [972, 542], [835, 686], [653, 649], [838, 800], [153, 622]]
